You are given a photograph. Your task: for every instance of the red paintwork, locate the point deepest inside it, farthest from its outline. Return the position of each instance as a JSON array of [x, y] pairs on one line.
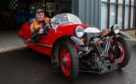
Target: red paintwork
[[65, 61], [135, 33], [63, 29], [122, 53]]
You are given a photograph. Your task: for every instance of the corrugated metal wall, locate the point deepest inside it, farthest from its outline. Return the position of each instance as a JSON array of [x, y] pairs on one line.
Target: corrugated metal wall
[[135, 14], [88, 11]]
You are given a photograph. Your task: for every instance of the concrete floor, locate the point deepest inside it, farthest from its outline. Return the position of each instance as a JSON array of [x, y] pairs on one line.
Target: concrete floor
[[9, 40], [131, 33]]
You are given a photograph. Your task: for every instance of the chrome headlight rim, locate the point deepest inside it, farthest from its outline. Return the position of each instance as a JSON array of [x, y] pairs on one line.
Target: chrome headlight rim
[[79, 31], [115, 29]]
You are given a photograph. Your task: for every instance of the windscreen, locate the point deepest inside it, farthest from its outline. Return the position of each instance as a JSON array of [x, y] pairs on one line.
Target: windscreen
[[64, 18]]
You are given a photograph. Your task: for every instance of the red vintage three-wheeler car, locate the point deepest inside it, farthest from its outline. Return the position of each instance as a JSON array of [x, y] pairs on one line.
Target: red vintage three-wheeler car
[[74, 47]]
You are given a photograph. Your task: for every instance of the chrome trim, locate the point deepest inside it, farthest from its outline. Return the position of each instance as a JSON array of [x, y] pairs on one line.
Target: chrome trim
[[44, 45]]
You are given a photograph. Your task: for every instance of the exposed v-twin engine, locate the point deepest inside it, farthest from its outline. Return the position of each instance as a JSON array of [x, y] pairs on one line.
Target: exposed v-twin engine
[[97, 60]]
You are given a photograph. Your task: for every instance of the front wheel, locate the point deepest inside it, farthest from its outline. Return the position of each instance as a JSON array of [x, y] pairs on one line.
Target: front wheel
[[122, 52], [68, 61]]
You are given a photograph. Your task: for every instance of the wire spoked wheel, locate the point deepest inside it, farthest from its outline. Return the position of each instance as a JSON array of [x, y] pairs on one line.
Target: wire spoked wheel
[[68, 61]]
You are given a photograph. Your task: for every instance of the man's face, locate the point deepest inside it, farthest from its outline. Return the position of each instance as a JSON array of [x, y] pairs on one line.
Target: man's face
[[40, 16]]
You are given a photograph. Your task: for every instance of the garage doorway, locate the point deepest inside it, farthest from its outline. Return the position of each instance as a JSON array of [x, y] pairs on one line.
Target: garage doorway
[[54, 7], [13, 13]]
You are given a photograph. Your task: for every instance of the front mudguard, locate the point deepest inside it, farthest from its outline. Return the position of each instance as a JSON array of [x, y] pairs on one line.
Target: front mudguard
[[76, 40], [124, 35]]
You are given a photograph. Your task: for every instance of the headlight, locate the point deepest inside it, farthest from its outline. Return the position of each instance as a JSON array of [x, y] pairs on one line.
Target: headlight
[[79, 31], [115, 29]]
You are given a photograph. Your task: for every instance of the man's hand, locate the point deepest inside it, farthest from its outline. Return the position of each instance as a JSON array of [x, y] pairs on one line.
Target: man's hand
[[41, 31]]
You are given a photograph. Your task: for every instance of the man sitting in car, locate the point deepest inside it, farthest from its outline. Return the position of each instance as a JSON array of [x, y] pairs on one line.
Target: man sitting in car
[[38, 24]]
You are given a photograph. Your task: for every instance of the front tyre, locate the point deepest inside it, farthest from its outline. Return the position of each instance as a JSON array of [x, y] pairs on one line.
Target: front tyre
[[123, 53], [68, 61]]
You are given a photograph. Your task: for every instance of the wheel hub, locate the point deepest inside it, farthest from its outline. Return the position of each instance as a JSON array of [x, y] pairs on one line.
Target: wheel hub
[[65, 62]]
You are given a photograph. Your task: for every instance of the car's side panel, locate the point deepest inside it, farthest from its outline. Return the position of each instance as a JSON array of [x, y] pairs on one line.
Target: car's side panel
[[45, 42], [25, 33], [40, 48]]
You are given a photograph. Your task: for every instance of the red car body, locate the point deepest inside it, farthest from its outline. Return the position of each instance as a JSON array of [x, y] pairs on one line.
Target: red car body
[[45, 43]]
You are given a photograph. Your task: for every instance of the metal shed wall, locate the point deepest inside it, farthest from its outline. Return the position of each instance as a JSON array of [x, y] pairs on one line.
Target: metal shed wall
[[88, 11]]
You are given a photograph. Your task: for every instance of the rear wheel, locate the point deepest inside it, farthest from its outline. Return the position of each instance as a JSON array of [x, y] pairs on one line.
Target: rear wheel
[[68, 61]]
